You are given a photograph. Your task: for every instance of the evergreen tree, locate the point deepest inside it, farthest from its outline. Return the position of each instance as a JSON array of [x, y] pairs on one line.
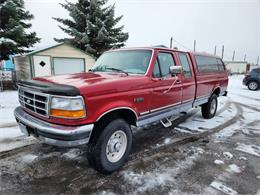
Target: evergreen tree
[[13, 38], [92, 26]]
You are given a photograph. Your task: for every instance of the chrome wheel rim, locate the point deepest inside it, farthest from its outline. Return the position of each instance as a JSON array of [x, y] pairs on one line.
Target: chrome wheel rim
[[116, 146], [253, 85], [213, 106]]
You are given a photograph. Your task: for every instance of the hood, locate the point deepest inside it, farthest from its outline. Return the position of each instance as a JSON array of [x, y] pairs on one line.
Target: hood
[[93, 84], [81, 79]]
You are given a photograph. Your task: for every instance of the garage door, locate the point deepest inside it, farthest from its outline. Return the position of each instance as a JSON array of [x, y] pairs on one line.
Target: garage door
[[68, 65]]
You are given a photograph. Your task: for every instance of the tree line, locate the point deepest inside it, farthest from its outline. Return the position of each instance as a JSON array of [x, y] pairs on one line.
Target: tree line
[[92, 27]]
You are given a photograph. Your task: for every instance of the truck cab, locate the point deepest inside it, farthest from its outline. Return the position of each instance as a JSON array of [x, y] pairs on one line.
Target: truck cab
[[126, 87]]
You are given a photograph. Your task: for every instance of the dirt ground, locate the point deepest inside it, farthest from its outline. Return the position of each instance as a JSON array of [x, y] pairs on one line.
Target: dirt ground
[[194, 156]]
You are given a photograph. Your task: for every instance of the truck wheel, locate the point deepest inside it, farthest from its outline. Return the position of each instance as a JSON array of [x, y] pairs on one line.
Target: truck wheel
[[209, 109], [110, 149], [253, 85]]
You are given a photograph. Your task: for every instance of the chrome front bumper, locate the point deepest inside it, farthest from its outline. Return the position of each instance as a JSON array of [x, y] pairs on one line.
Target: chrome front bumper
[[58, 135]]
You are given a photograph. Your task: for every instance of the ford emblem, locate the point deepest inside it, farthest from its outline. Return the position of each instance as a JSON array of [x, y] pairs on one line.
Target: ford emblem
[[28, 101]]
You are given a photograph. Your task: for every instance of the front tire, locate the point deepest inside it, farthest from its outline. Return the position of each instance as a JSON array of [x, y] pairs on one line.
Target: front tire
[[209, 109], [253, 85], [110, 149]]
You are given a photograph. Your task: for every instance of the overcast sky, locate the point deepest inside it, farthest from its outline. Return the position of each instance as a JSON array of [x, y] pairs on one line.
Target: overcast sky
[[233, 23]]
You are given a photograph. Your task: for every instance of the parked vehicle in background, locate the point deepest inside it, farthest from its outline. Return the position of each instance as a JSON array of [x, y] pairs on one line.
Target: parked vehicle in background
[[126, 87], [252, 79]]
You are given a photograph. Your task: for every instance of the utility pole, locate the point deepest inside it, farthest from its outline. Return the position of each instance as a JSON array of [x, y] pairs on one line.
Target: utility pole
[[194, 45], [171, 42], [234, 53], [257, 62], [223, 49], [245, 58], [215, 50]]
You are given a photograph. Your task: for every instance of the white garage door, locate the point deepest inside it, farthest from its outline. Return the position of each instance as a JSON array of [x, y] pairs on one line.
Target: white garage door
[[68, 65]]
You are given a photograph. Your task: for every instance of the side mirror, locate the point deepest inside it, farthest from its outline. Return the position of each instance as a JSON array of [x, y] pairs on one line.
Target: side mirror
[[175, 70]]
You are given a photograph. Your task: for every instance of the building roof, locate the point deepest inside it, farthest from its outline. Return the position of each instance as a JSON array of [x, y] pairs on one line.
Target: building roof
[[52, 46]]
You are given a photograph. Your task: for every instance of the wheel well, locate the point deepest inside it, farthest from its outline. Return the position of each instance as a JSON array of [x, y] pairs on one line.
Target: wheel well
[[254, 80], [123, 113], [216, 91]]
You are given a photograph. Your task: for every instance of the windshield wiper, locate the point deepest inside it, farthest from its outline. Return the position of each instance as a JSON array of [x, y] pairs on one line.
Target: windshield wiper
[[117, 70]]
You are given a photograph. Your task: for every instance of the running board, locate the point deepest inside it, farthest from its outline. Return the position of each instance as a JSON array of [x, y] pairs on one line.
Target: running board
[[166, 123]]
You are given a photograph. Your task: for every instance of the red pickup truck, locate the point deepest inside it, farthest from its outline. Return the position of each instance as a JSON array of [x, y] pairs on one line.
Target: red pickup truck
[[126, 87]]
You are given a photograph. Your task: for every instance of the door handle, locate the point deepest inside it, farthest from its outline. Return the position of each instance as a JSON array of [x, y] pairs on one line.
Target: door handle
[[178, 82]]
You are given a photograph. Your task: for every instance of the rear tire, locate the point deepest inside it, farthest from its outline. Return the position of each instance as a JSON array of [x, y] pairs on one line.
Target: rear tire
[[253, 85], [209, 109], [110, 149]]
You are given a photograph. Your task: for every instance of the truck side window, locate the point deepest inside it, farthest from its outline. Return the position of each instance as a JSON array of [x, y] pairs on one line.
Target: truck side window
[[185, 65], [165, 61], [156, 70], [207, 63]]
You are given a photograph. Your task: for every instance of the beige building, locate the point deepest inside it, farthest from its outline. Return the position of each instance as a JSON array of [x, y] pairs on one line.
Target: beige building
[[237, 67], [58, 59]]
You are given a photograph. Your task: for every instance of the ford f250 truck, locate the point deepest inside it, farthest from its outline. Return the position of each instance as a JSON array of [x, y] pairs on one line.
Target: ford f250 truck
[[125, 88]]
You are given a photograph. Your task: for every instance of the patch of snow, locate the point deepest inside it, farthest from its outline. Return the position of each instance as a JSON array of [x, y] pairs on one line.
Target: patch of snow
[[200, 150], [228, 155], [222, 188], [242, 158], [10, 133], [240, 93], [11, 138], [29, 158], [107, 193], [258, 177], [233, 168], [197, 124], [183, 130], [72, 154], [249, 149], [162, 177], [8, 102], [7, 40], [167, 141], [149, 180], [219, 162]]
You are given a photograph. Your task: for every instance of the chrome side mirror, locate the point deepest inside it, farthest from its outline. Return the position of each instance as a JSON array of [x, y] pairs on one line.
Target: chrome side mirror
[[175, 70]]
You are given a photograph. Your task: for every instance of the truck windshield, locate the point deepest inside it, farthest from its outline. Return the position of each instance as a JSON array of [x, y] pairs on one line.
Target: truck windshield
[[128, 61]]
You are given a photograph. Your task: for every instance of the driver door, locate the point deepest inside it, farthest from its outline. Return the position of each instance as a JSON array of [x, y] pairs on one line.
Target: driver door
[[164, 93]]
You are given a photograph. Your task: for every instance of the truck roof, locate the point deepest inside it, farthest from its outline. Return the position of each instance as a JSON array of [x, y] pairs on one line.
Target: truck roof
[[168, 49]]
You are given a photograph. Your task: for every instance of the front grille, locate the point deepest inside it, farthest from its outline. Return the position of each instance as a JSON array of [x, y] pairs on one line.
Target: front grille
[[34, 101]]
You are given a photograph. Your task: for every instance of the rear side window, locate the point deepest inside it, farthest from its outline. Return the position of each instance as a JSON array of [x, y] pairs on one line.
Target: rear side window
[[165, 61], [185, 65], [208, 64]]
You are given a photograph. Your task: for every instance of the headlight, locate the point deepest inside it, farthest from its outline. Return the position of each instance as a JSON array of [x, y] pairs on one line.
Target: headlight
[[67, 107]]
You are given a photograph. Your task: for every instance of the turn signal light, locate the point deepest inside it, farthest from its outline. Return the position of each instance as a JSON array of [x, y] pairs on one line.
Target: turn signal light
[[74, 114]]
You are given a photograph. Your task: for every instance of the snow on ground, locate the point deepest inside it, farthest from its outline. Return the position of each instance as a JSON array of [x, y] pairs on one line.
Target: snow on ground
[[10, 134], [8, 102], [219, 162], [162, 177], [197, 124], [234, 168], [249, 149], [228, 155], [221, 187]]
